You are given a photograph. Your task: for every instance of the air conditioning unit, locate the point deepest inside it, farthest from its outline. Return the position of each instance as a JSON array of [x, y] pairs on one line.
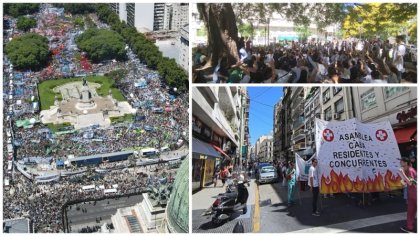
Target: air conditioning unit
[[337, 116]]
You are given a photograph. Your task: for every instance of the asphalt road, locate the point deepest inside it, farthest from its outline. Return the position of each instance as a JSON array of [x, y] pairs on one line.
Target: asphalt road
[[78, 219], [340, 214]]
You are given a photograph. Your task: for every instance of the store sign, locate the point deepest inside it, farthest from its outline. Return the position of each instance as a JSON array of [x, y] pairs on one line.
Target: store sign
[[404, 116]]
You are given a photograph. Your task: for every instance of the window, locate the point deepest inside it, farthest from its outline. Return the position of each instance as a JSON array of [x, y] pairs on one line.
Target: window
[[328, 113], [326, 96], [368, 99], [336, 90], [339, 106], [392, 91]]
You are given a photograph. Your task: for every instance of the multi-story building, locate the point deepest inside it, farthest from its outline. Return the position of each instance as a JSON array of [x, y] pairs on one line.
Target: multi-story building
[[264, 148], [298, 126], [313, 110], [398, 105], [216, 127], [148, 17], [277, 130], [184, 43], [176, 16]]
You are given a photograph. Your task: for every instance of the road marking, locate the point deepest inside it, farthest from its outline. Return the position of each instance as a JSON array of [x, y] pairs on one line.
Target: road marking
[[256, 216], [355, 224]]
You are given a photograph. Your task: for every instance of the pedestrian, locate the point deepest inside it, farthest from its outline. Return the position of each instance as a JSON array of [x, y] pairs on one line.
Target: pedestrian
[[291, 177], [314, 185], [398, 57], [216, 175], [409, 176], [283, 172], [223, 175]]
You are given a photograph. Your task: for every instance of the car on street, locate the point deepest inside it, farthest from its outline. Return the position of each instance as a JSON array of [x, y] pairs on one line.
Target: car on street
[[267, 174]]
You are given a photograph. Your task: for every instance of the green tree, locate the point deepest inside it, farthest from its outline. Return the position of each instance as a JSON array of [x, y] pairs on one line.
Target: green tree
[[102, 44], [79, 8], [246, 30], [25, 23], [303, 32], [20, 9], [29, 51], [79, 21], [378, 19]]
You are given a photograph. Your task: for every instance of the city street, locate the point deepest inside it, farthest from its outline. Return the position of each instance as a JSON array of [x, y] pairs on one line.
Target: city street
[[104, 209], [338, 215]]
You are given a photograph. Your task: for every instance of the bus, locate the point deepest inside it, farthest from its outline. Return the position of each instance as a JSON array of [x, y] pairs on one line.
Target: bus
[[6, 183], [149, 152]]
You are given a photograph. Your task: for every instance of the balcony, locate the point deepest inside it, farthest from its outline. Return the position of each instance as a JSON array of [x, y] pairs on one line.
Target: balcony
[[298, 135], [298, 123], [299, 146]]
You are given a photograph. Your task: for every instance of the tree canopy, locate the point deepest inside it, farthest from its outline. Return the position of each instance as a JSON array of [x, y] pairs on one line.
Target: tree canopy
[[77, 8], [25, 23], [145, 50], [379, 19], [20, 9], [102, 44], [29, 51]]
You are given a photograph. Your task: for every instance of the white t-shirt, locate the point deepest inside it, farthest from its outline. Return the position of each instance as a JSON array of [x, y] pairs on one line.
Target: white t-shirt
[[399, 61], [313, 172]]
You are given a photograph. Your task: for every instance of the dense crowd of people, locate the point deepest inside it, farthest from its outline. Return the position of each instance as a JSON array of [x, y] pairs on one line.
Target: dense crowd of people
[[338, 61], [42, 203]]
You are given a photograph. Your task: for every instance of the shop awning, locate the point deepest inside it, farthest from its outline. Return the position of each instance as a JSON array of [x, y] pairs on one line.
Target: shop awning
[[406, 134], [201, 147], [220, 150]]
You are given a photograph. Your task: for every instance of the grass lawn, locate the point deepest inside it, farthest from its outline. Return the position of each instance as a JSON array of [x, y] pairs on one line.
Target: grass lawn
[[46, 93], [126, 117], [55, 127]]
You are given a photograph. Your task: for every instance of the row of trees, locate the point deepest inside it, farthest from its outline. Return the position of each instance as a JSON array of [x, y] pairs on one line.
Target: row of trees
[[29, 51], [20, 9], [102, 44], [146, 50], [77, 8]]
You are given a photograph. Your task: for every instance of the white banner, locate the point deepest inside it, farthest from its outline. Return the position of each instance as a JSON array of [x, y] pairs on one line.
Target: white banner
[[302, 167], [357, 157]]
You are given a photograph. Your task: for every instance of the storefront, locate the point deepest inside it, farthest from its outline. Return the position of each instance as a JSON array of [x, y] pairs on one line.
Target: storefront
[[405, 131], [203, 164]]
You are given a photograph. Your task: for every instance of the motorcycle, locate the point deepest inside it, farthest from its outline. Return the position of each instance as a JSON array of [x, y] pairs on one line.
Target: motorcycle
[[231, 202]]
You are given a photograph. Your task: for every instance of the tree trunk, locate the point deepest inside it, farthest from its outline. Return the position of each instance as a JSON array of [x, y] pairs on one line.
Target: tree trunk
[[222, 33]]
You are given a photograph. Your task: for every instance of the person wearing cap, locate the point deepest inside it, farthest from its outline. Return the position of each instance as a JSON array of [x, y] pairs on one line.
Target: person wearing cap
[[314, 185], [409, 176], [291, 177]]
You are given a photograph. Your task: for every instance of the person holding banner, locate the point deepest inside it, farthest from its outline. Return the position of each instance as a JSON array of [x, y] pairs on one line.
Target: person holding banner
[[409, 176], [291, 178], [313, 183]]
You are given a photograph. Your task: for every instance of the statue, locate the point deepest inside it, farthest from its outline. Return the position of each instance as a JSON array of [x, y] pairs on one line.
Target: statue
[[84, 81]]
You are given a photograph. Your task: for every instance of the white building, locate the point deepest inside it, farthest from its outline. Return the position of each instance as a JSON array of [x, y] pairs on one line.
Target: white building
[[264, 148], [398, 105], [216, 125], [176, 16], [183, 45]]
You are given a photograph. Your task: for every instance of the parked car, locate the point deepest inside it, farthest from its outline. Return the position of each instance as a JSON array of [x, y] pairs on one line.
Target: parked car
[[267, 174]]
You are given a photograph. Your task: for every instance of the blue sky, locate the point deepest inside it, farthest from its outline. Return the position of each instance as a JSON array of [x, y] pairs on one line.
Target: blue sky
[[261, 109]]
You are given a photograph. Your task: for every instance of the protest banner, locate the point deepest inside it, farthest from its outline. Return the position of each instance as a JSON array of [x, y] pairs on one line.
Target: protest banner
[[357, 157], [302, 167]]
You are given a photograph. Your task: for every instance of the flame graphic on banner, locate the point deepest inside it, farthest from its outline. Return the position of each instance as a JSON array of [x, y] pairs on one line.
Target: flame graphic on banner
[[343, 184]]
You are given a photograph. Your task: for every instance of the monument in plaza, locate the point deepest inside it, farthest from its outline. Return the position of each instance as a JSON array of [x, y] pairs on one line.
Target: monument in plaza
[[81, 106]]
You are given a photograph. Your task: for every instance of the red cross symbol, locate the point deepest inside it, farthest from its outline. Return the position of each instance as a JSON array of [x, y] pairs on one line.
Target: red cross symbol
[[328, 135], [381, 135]]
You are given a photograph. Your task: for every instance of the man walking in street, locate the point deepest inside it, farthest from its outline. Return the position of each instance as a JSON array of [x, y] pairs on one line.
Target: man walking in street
[[398, 57], [314, 185]]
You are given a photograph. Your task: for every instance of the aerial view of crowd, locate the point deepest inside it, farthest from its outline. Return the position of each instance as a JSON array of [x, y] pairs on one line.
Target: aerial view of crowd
[[161, 120]]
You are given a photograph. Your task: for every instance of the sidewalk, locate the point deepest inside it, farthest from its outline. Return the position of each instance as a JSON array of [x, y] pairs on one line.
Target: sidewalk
[[204, 198]]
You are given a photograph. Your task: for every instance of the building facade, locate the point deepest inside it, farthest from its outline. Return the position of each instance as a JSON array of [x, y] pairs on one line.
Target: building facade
[[147, 17], [398, 105], [264, 148], [217, 126], [184, 49]]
